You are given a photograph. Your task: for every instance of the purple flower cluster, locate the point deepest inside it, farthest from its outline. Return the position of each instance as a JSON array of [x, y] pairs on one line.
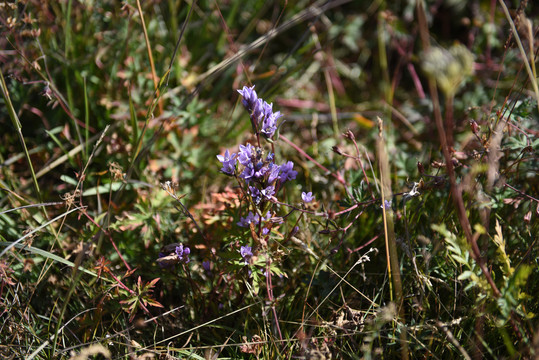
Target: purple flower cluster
[[182, 253], [263, 119], [256, 169], [173, 254], [262, 176], [255, 219]]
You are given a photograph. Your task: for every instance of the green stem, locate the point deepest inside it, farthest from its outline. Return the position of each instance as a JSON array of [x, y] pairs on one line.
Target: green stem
[[393, 266], [533, 80], [17, 125]]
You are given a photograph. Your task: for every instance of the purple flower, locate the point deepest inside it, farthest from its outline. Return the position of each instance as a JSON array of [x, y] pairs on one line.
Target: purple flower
[[255, 194], [260, 170], [267, 217], [229, 162], [268, 109], [269, 125], [287, 173], [249, 97], [307, 197], [245, 154], [387, 205], [250, 218], [206, 265], [246, 254], [259, 195], [258, 111], [183, 253], [263, 119], [248, 173], [268, 192], [274, 173]]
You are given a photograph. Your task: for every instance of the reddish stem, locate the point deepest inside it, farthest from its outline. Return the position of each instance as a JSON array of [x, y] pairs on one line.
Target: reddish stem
[[335, 175], [110, 238], [123, 286], [358, 159], [269, 287]]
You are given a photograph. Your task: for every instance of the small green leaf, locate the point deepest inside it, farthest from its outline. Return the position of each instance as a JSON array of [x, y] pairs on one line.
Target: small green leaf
[[465, 275]]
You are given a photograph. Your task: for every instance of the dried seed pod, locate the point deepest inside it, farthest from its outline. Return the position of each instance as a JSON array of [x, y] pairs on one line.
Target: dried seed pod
[[420, 167], [337, 150], [474, 126]]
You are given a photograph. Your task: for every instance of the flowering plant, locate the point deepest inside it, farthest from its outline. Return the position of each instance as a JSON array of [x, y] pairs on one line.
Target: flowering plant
[[259, 177]]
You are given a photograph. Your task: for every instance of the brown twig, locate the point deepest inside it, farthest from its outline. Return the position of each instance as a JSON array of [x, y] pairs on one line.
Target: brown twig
[[456, 190]]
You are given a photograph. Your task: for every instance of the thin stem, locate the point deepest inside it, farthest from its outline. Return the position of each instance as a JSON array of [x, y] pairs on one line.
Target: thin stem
[[110, 238], [168, 188], [449, 125], [150, 56], [336, 175], [389, 232], [521, 193], [522, 51], [456, 191], [358, 160], [269, 287], [17, 125]]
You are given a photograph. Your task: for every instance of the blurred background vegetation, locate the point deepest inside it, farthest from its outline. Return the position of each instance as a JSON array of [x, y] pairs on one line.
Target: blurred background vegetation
[[86, 131]]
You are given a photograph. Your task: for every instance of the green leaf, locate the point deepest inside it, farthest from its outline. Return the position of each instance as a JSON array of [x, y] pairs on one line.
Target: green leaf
[[103, 189], [50, 256], [68, 180], [465, 275]]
